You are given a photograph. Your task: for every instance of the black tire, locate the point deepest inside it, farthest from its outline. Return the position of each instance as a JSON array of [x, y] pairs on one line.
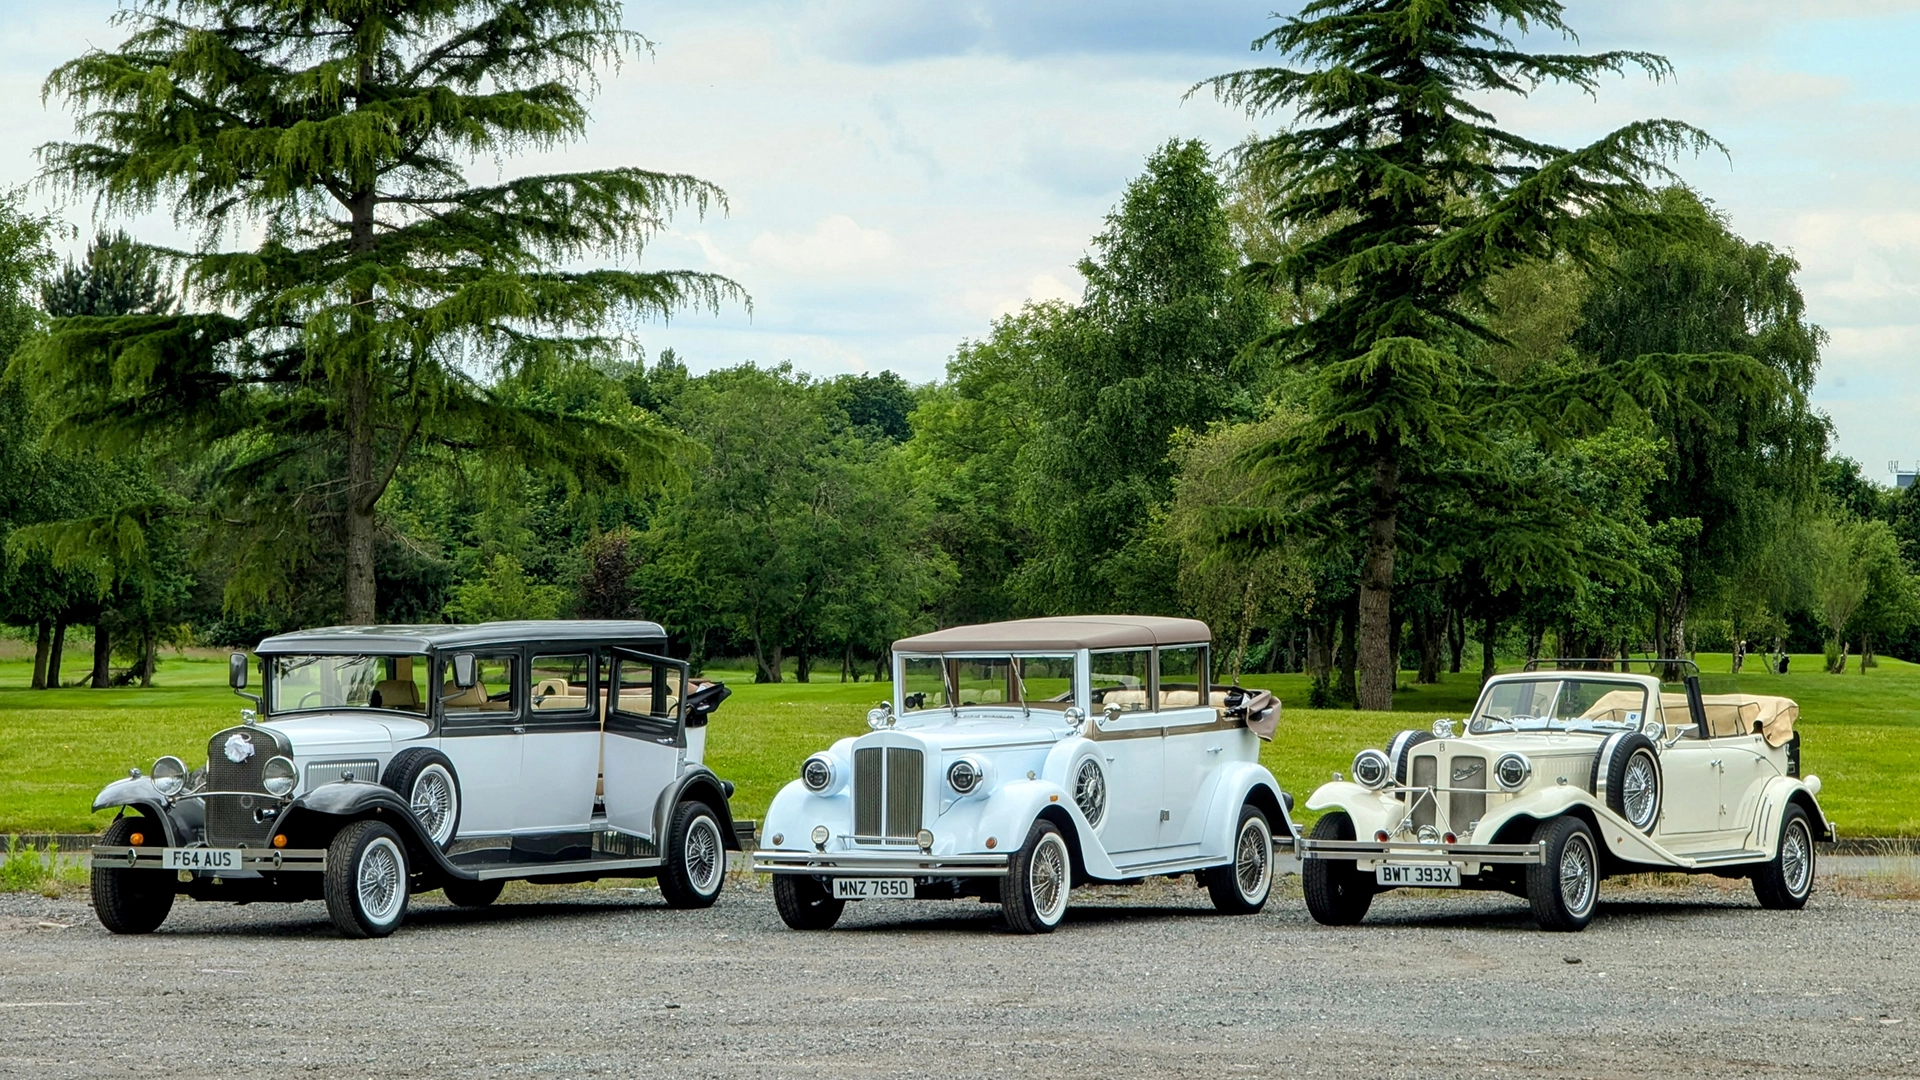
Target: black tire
[[1033, 895], [1242, 886], [696, 864], [1397, 748], [805, 903], [426, 780], [1626, 774], [366, 880], [474, 894], [1785, 882], [1565, 890], [130, 901], [1338, 894]]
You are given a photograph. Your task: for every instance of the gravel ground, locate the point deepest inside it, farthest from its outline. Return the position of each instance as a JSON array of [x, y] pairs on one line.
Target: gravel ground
[[571, 982]]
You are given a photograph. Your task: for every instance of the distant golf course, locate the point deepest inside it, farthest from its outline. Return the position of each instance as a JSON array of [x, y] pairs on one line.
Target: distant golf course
[[1861, 734]]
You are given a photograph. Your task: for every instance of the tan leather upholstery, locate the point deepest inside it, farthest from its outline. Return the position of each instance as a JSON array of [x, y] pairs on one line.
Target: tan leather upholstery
[[398, 694], [472, 698], [1740, 714]]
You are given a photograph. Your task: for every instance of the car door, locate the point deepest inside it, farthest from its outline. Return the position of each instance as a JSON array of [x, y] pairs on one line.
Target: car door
[[1132, 750], [481, 729], [560, 754], [644, 740], [1193, 744]]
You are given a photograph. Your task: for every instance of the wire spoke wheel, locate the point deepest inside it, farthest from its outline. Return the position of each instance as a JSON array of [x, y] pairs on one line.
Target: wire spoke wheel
[[1577, 874], [1090, 791], [381, 887], [1047, 881], [433, 803], [705, 861], [1796, 862], [1639, 790], [1253, 860]]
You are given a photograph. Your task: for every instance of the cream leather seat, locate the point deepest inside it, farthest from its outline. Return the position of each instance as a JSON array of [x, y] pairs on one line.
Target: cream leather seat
[[397, 694]]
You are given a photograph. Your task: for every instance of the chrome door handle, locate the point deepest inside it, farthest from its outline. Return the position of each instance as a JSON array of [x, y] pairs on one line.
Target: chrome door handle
[[1215, 749], [519, 729]]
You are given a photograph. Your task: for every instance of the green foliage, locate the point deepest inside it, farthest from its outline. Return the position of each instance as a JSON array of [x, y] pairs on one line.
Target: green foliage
[[503, 593]]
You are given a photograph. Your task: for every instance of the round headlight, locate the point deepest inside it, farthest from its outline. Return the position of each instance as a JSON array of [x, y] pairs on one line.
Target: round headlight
[[817, 773], [1075, 716], [1653, 729], [1512, 771], [964, 776], [1442, 729], [924, 839], [821, 834], [278, 777], [169, 775], [879, 716], [1372, 769]]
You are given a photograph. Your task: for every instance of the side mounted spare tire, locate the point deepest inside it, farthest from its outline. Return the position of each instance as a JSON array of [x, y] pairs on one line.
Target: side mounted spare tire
[[426, 780], [1626, 776], [1397, 748]]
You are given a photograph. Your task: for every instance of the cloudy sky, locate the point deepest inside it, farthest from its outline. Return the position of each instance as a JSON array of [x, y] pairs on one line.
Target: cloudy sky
[[900, 173]]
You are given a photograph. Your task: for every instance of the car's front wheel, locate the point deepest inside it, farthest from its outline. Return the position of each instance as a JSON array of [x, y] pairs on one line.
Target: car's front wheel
[[366, 880], [130, 901], [1338, 894], [1565, 888], [1785, 883], [1242, 886], [805, 903], [1034, 892], [696, 857]]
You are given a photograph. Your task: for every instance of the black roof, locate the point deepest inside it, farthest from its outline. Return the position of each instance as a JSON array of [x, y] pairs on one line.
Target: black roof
[[400, 640]]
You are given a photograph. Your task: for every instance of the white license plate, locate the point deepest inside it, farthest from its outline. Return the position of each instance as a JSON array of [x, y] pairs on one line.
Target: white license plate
[[1419, 875], [202, 858], [873, 888]]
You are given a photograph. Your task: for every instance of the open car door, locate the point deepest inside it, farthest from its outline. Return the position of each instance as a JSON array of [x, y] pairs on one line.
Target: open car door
[[644, 739]]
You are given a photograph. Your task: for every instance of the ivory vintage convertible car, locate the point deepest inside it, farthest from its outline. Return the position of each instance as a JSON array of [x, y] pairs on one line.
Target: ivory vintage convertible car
[[1562, 777], [1019, 759], [389, 760]]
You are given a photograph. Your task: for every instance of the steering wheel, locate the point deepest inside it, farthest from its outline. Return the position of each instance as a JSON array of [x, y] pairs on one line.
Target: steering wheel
[[308, 696]]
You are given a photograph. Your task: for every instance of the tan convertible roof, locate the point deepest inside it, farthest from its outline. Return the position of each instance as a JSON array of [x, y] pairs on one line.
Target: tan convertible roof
[[1062, 632]]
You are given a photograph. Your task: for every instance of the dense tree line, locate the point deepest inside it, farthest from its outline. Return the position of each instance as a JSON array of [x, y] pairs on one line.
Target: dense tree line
[[1391, 389]]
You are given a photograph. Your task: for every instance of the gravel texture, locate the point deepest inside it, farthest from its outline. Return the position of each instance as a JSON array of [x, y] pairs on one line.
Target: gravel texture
[[577, 982]]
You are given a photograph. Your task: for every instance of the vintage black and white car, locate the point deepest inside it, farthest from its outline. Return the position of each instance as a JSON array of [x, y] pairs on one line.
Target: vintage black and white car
[[1562, 776], [381, 761], [1017, 760]]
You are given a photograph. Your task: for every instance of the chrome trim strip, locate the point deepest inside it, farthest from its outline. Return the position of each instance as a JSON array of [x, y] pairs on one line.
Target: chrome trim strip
[[268, 859], [1414, 851], [871, 864], [519, 871]]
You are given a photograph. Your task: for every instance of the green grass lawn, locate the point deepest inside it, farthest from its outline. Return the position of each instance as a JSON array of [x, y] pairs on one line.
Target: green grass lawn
[[1861, 734]]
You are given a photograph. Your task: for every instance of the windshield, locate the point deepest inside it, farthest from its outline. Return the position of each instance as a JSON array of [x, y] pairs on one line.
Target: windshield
[[310, 681], [1030, 682], [1561, 704]]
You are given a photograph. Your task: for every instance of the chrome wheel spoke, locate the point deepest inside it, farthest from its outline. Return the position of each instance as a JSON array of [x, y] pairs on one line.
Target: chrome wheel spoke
[[703, 854]]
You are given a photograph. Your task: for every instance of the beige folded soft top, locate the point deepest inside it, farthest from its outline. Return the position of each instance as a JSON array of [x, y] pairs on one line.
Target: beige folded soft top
[[1738, 714]]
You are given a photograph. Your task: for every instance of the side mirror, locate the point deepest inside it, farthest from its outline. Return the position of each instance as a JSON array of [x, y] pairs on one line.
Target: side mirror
[[463, 670], [237, 670], [1109, 714]]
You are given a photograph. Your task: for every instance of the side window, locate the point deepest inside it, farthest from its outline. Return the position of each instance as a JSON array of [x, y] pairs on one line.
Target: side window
[[1183, 677], [647, 690], [491, 692], [1120, 678], [561, 684]]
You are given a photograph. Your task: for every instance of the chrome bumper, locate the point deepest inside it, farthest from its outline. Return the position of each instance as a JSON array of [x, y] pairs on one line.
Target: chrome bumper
[[1415, 852], [133, 858], [878, 864]]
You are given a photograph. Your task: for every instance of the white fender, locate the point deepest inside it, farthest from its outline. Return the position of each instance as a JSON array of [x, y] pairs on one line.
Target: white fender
[[1235, 783], [1010, 812], [1773, 808]]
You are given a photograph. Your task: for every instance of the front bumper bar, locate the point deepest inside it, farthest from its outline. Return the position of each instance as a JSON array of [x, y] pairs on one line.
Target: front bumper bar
[[1415, 852], [862, 864], [149, 858]]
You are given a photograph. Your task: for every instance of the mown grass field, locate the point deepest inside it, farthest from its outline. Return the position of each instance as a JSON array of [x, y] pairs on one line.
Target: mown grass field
[[57, 747]]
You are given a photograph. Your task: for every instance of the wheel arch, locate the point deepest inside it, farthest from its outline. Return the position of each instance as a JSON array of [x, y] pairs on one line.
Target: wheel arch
[[314, 819], [701, 783], [1063, 820]]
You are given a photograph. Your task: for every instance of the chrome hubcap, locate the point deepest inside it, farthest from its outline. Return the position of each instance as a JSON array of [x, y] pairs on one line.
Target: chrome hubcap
[[382, 884], [1577, 874], [1638, 788], [1796, 858], [433, 803], [703, 855], [1047, 878], [1253, 861], [1090, 791]]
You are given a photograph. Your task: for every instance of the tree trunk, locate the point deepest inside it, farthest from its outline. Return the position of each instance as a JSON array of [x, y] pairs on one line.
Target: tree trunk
[[1432, 631], [1379, 668], [1319, 660], [1347, 692], [359, 524], [1456, 638], [803, 667], [42, 644], [1672, 620], [1866, 653], [1488, 631], [147, 647], [102, 656], [54, 654], [1534, 636]]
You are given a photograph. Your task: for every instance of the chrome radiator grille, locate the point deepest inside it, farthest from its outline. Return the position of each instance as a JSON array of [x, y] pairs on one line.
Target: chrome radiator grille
[[230, 818], [1425, 768], [888, 785], [1465, 802]]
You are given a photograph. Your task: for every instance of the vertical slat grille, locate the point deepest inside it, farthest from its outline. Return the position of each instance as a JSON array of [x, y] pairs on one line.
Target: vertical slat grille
[[904, 766], [1466, 807], [230, 819], [867, 779], [1425, 768]]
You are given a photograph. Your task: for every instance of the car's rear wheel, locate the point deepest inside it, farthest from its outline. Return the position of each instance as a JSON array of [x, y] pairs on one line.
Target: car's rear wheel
[[474, 894], [696, 857], [1785, 883], [1338, 894], [366, 880], [805, 903], [1034, 892], [1565, 889], [130, 901], [1242, 886]]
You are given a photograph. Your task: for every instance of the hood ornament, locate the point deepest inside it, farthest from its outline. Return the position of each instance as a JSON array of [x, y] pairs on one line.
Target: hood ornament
[[238, 748]]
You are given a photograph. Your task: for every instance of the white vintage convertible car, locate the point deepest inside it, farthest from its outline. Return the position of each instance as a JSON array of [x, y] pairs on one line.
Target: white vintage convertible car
[[984, 776], [1561, 778]]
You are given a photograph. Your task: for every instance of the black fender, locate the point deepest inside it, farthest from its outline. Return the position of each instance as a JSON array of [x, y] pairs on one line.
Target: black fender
[[698, 782], [312, 819], [183, 821]]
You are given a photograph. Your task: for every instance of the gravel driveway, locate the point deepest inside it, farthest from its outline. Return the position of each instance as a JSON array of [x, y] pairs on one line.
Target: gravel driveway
[[572, 982]]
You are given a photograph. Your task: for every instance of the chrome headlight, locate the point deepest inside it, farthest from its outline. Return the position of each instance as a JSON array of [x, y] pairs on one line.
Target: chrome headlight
[[822, 774], [970, 776], [1372, 769], [880, 716], [1075, 716], [169, 775], [1512, 771], [1442, 729], [278, 777]]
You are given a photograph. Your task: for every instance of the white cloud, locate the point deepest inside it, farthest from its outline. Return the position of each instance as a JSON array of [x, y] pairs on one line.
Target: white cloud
[[836, 243]]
